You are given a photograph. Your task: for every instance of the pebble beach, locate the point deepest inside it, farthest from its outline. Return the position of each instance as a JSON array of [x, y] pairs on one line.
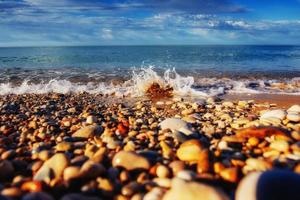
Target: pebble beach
[[88, 146]]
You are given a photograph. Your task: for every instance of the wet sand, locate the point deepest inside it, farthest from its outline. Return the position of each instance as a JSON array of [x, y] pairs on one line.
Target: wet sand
[[281, 100]]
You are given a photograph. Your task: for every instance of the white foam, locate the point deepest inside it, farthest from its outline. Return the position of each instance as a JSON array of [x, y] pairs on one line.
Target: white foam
[[142, 78], [135, 87]]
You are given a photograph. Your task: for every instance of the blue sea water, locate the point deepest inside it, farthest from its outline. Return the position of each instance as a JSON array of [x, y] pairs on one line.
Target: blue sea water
[[100, 64]]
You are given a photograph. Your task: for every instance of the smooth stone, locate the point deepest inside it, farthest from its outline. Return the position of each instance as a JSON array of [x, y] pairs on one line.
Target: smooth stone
[[280, 114], [270, 185], [91, 119], [162, 171], [177, 166], [294, 109], [193, 191], [260, 132], [131, 188], [190, 150], [176, 124], [37, 196], [64, 146], [230, 174], [55, 164], [130, 161], [255, 164], [186, 175], [280, 145], [72, 172], [6, 170], [155, 194], [91, 169], [11, 192], [293, 117], [88, 131]]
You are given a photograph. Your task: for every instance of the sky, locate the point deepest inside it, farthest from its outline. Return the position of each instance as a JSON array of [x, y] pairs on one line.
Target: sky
[[148, 22]]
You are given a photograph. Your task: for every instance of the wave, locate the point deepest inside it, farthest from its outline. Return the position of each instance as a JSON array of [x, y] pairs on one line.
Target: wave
[[142, 79]]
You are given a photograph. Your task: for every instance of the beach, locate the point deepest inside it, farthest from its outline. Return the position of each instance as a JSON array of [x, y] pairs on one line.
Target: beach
[[87, 146], [149, 122]]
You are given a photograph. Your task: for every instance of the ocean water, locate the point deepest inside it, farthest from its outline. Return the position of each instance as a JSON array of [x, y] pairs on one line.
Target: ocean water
[[128, 70]]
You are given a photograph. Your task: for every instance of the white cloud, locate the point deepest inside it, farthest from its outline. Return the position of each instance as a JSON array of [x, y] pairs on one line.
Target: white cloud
[[107, 34]]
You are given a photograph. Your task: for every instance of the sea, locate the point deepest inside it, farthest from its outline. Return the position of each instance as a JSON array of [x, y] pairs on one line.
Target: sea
[[196, 70]]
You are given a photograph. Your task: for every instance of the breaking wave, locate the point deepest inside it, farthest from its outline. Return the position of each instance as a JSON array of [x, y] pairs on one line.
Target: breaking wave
[[141, 79]]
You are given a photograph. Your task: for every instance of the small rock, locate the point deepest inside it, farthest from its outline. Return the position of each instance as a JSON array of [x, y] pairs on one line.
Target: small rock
[[190, 150], [72, 172], [162, 171], [280, 114], [130, 160], [91, 169], [6, 170], [280, 145], [91, 119], [13, 192], [260, 132], [193, 191], [64, 146], [274, 184], [87, 132], [294, 109], [155, 194], [293, 117], [55, 164], [131, 188], [255, 164], [32, 186], [177, 166], [230, 174], [175, 124]]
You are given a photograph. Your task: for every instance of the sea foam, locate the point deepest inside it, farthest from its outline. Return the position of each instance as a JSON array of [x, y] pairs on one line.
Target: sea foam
[[142, 78]]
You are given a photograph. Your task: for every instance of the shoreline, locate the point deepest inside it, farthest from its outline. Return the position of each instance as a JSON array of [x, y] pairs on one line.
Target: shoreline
[[281, 100]]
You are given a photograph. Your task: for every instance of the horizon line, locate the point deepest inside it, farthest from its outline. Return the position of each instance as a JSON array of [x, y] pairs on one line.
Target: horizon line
[[145, 45]]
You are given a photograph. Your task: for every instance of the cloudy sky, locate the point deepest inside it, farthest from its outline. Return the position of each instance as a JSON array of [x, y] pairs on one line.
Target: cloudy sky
[[144, 22]]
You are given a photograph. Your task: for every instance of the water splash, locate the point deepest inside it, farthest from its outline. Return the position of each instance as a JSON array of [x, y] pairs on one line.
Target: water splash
[[142, 78]]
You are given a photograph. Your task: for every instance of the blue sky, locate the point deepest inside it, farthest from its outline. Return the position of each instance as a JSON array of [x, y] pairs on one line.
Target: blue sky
[[148, 22]]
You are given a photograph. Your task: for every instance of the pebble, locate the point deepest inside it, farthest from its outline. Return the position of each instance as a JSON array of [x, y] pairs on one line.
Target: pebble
[[91, 169], [91, 119], [6, 170], [230, 174], [280, 145], [162, 171], [293, 117], [32, 186], [176, 124], [294, 109], [155, 194], [87, 132], [13, 192], [55, 164], [190, 150], [64, 146], [270, 185], [193, 191], [255, 164], [71, 172], [130, 161], [260, 132], [280, 114]]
